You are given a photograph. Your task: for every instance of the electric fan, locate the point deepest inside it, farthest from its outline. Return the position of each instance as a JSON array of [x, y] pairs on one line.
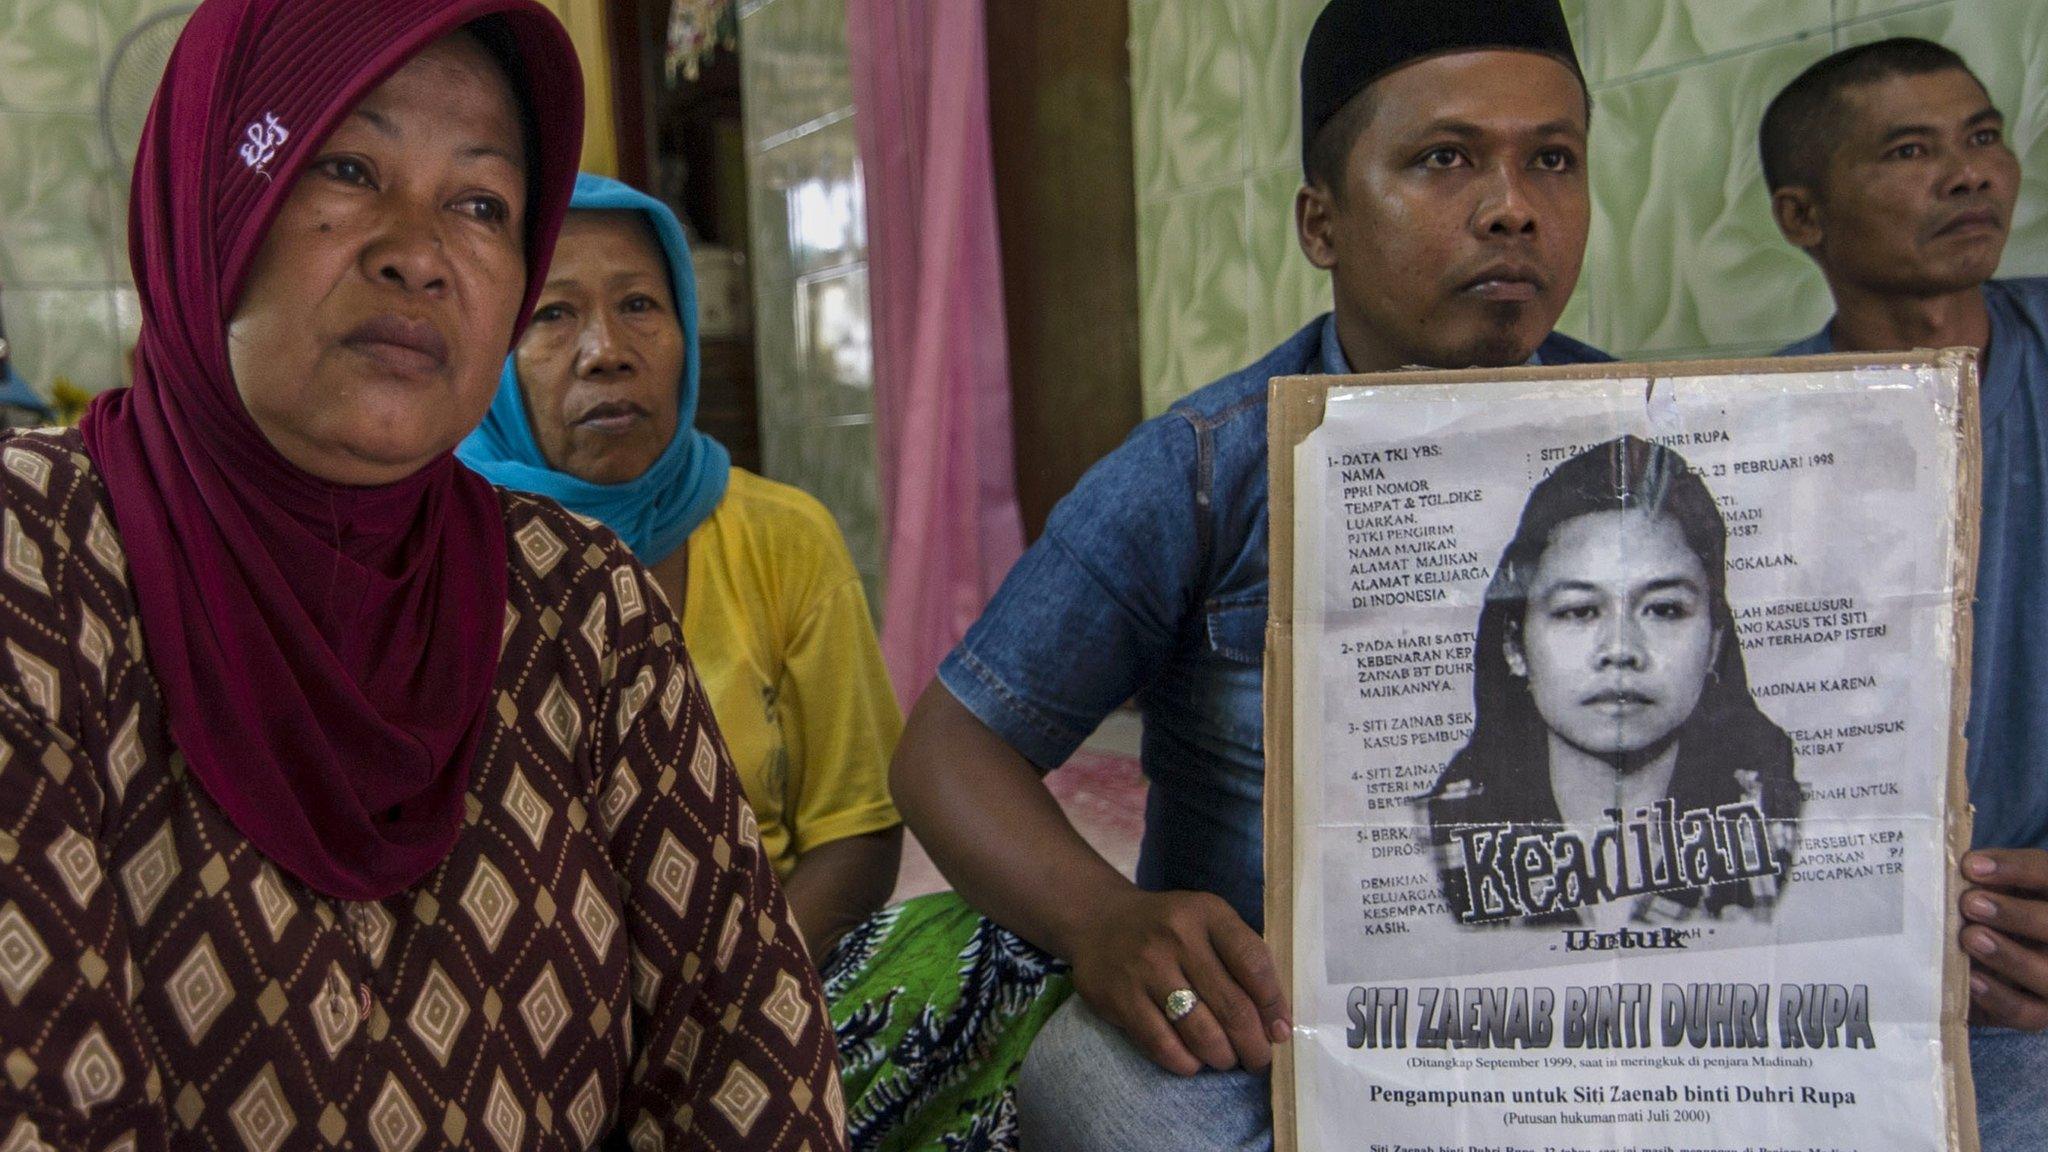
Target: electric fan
[[130, 83]]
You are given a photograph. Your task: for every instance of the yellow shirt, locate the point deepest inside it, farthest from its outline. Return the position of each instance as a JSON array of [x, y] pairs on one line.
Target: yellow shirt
[[778, 626]]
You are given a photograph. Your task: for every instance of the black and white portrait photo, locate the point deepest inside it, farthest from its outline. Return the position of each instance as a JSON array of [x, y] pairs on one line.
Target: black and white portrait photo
[[1618, 771]]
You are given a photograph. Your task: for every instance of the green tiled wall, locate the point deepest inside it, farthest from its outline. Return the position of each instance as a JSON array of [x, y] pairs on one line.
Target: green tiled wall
[[69, 307], [809, 250], [1683, 259]]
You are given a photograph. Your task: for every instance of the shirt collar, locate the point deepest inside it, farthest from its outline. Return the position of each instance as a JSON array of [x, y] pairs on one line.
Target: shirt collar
[[1334, 363]]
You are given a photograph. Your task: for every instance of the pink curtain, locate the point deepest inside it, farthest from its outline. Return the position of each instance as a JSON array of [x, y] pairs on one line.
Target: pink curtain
[[942, 362]]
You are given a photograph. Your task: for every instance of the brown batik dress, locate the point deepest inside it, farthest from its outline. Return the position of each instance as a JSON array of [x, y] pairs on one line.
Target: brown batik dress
[[604, 956]]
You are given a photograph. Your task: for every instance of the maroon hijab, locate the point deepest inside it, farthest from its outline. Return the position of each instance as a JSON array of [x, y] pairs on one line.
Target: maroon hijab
[[326, 653]]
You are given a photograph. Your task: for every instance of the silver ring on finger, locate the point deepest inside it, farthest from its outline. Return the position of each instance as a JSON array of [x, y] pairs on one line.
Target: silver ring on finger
[[1179, 1003]]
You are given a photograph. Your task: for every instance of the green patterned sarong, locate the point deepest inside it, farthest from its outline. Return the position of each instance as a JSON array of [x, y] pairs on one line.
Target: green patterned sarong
[[935, 1006]]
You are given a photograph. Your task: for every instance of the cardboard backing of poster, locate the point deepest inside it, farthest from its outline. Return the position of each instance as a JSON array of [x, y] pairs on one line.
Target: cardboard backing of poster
[[1614, 731]]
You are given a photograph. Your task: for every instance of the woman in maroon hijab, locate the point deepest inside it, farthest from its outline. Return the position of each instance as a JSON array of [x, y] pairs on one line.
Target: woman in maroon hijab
[[343, 797]]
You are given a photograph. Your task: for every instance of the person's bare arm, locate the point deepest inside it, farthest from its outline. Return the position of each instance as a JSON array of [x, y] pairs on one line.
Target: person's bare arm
[[993, 828], [840, 883]]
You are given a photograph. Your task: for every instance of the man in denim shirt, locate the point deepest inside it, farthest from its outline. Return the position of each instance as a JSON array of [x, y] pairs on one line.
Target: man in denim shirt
[[1888, 164], [1446, 195]]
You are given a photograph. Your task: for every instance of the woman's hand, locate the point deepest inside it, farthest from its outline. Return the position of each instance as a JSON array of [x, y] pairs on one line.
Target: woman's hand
[[2007, 936], [1141, 947], [840, 883]]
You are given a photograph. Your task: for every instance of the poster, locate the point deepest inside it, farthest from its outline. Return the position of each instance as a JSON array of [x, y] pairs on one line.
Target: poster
[[1619, 782]]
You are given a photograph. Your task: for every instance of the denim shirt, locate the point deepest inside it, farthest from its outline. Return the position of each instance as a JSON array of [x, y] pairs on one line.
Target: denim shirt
[[1150, 581], [2008, 723]]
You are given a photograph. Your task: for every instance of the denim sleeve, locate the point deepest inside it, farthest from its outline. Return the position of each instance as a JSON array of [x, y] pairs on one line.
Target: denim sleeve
[[1095, 607]]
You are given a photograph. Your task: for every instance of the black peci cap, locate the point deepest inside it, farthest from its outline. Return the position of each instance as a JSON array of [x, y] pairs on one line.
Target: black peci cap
[[1355, 42]]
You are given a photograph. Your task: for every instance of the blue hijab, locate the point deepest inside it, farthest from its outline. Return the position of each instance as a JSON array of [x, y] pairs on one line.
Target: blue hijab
[[655, 513]]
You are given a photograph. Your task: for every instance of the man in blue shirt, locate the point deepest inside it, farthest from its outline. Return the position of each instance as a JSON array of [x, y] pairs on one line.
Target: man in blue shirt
[[20, 407], [1888, 165], [1446, 196]]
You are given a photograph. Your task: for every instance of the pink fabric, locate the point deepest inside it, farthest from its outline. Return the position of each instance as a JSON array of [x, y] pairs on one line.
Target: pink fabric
[[942, 360], [326, 653]]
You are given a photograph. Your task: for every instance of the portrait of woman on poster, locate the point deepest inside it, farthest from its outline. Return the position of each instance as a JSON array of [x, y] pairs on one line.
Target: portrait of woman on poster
[[1607, 677]]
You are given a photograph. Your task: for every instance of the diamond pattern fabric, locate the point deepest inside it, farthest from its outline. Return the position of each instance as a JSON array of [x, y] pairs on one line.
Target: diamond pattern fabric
[[604, 958]]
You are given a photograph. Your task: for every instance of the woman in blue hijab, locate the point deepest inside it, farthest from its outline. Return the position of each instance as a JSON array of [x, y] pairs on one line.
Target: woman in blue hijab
[[595, 409], [934, 1005], [655, 506]]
